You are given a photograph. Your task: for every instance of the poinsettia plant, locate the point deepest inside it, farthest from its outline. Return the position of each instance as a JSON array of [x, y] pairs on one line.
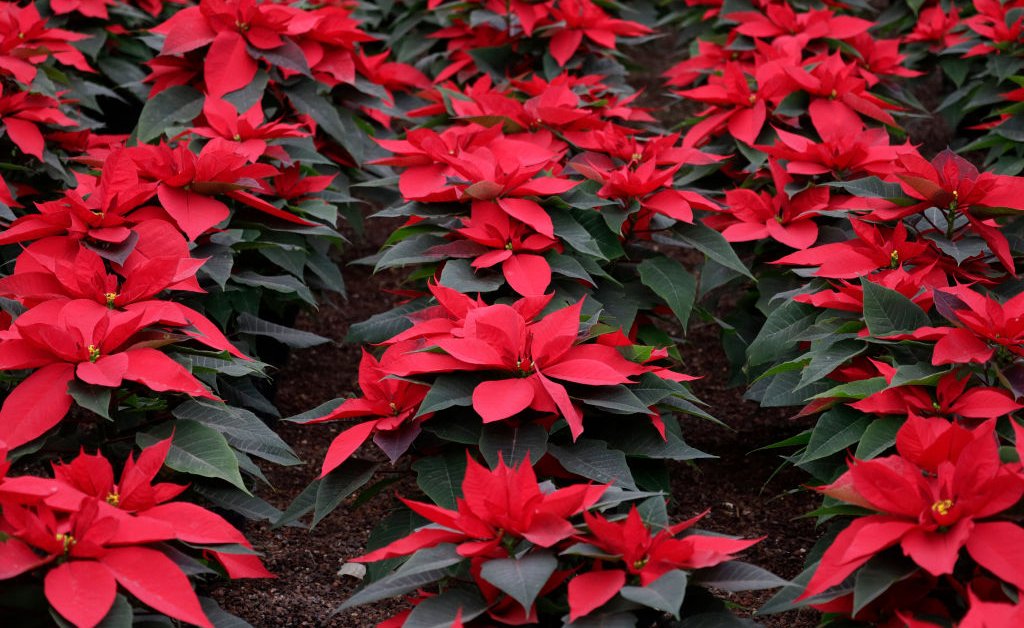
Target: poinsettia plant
[[516, 551]]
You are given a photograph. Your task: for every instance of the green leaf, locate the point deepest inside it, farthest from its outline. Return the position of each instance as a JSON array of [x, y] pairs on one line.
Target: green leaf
[[880, 436], [458, 275], [593, 460], [198, 450], [294, 338], [174, 105], [669, 280], [857, 389], [424, 567], [711, 243], [242, 429], [573, 233], [779, 333], [93, 398], [454, 428], [735, 576], [645, 442], [335, 121], [869, 187], [440, 477], [829, 358], [522, 578], [339, 484], [448, 391], [836, 430], [285, 284], [441, 610], [888, 312], [512, 444], [249, 506], [664, 594], [615, 399], [877, 576], [380, 327]]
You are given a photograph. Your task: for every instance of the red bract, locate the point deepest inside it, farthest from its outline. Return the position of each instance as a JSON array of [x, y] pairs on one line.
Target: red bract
[[749, 215], [951, 398], [20, 115], [917, 285], [327, 38], [246, 133], [451, 312], [875, 248], [498, 338], [934, 26], [505, 170], [26, 42], [639, 553], [80, 339], [496, 507], [57, 268], [228, 27], [90, 561], [780, 20], [734, 106], [391, 403], [186, 184], [93, 476], [644, 183], [993, 22], [88, 8], [502, 240], [932, 516], [987, 325], [846, 150], [583, 17], [839, 86]]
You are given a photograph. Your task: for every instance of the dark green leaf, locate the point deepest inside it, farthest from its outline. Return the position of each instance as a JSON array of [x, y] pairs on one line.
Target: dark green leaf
[[664, 594], [735, 576], [593, 460], [522, 578], [339, 484], [512, 444], [880, 436], [196, 449], [836, 430], [440, 477], [174, 105], [295, 338], [888, 312], [669, 280]]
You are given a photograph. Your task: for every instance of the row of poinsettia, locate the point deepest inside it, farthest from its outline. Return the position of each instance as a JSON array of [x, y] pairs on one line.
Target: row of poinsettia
[[792, 96], [127, 259], [902, 305]]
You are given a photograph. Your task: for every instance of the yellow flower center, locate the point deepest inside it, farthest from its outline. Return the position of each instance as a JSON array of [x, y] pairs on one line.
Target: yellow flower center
[[942, 507], [508, 245], [894, 259], [236, 137], [833, 94], [752, 99], [94, 353], [110, 297], [394, 408], [114, 499], [67, 540], [636, 157], [640, 564]]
